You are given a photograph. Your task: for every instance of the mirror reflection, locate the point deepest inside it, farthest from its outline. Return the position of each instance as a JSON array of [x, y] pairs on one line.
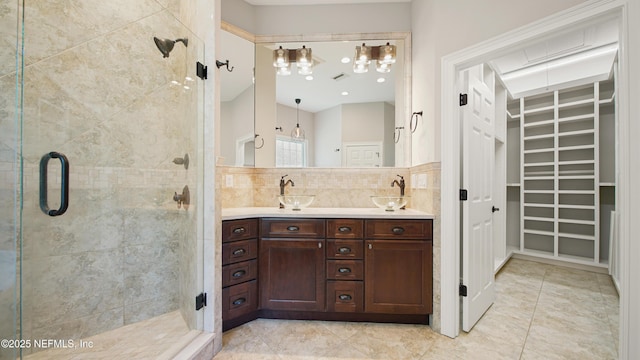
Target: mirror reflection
[[237, 145], [348, 118]]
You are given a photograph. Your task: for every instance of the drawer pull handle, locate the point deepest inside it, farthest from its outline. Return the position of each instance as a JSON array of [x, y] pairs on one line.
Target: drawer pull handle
[[344, 270], [370, 246], [239, 252], [240, 230], [344, 229], [239, 301], [293, 228], [344, 250], [344, 297], [239, 273], [397, 230]]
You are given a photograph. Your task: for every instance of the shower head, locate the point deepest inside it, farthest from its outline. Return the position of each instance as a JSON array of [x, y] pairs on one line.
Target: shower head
[[165, 45]]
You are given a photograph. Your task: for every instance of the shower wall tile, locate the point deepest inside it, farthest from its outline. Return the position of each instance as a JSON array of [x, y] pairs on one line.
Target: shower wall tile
[[8, 38], [90, 20], [62, 288], [144, 310], [145, 281]]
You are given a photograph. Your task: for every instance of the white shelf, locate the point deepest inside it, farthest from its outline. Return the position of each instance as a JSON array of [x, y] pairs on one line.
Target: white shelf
[[513, 184], [577, 236], [539, 123], [571, 227]]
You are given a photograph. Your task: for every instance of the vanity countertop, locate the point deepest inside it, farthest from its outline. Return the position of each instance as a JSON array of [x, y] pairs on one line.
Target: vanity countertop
[[311, 212]]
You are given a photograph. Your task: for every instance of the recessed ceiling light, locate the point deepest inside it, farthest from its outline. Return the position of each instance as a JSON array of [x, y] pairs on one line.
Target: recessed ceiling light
[[381, 80], [345, 93], [345, 60], [309, 77]]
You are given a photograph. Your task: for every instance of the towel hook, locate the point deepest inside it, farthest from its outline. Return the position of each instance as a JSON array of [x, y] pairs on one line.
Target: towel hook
[[414, 115], [261, 144], [220, 64], [398, 130]]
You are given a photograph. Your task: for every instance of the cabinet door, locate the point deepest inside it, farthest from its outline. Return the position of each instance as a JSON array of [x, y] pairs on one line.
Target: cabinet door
[[398, 277], [292, 274]]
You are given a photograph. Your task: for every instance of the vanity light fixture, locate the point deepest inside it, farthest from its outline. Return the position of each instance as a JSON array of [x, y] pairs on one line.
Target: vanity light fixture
[[302, 57], [297, 133], [384, 55]]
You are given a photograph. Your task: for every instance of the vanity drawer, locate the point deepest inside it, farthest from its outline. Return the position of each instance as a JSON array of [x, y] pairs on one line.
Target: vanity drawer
[[239, 300], [238, 273], [345, 228], [345, 296], [292, 228], [345, 269], [238, 251], [345, 249], [400, 229], [233, 230]]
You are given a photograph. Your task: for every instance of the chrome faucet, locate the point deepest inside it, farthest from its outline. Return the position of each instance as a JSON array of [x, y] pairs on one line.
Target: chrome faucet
[[400, 185], [284, 183]]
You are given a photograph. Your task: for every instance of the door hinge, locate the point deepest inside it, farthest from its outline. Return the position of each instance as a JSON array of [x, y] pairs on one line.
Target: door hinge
[[463, 99], [463, 194], [201, 301], [201, 70], [462, 290]]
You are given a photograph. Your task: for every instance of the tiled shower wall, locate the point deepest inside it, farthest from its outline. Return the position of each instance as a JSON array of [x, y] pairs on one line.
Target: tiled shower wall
[[340, 187], [98, 90]]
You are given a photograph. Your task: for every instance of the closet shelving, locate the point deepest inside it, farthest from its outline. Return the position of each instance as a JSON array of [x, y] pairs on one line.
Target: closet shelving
[[566, 164]]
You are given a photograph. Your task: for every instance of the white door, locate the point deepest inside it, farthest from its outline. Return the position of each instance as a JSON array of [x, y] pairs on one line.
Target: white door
[[363, 155], [478, 126]]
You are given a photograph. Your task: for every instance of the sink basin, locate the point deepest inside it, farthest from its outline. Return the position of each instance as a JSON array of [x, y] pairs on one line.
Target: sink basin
[[390, 203], [296, 202]]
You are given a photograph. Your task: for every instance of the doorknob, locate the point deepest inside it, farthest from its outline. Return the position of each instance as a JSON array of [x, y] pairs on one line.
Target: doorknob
[[494, 209]]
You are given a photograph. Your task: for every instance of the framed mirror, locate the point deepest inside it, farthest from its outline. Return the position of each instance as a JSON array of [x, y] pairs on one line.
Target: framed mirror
[[349, 119]]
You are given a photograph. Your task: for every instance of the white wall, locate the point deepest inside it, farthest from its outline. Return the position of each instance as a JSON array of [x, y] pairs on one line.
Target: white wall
[[286, 117], [236, 122], [317, 19], [328, 130], [363, 122], [388, 142], [442, 27]]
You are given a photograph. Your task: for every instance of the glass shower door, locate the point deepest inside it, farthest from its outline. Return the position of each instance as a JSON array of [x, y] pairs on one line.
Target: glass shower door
[[109, 235]]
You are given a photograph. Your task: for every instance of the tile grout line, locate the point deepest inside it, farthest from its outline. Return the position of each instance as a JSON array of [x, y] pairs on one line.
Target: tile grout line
[[524, 343]]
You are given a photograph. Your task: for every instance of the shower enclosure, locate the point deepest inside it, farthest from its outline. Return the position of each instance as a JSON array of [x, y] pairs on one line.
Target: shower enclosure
[[95, 125]]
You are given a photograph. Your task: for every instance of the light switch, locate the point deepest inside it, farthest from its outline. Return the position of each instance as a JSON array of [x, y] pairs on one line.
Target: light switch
[[422, 181]]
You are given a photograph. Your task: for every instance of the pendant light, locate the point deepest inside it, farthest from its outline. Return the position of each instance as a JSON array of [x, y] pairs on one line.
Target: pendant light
[[297, 133]]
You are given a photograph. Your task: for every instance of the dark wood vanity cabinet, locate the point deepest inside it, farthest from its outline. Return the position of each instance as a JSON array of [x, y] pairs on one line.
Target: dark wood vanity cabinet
[[239, 271], [328, 269], [398, 266], [292, 264]]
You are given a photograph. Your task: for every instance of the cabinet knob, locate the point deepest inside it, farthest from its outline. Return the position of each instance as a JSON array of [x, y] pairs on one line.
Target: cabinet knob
[[240, 230], [344, 270], [293, 228], [397, 230], [344, 250], [343, 229], [239, 252], [319, 245], [239, 273], [370, 246], [239, 301]]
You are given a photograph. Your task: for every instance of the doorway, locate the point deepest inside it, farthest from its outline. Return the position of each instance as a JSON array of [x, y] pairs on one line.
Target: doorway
[[452, 64]]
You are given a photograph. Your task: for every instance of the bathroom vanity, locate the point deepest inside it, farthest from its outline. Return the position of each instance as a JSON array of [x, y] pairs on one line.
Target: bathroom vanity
[[326, 264]]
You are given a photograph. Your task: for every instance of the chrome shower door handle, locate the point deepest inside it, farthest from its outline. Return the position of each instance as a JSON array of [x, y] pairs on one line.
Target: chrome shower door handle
[[64, 185]]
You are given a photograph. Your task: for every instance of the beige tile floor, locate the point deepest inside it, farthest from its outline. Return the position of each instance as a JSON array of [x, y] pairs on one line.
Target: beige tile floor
[[541, 312]]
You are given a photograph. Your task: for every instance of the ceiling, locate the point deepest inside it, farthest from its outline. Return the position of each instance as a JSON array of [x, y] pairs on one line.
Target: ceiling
[[580, 55], [323, 91]]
